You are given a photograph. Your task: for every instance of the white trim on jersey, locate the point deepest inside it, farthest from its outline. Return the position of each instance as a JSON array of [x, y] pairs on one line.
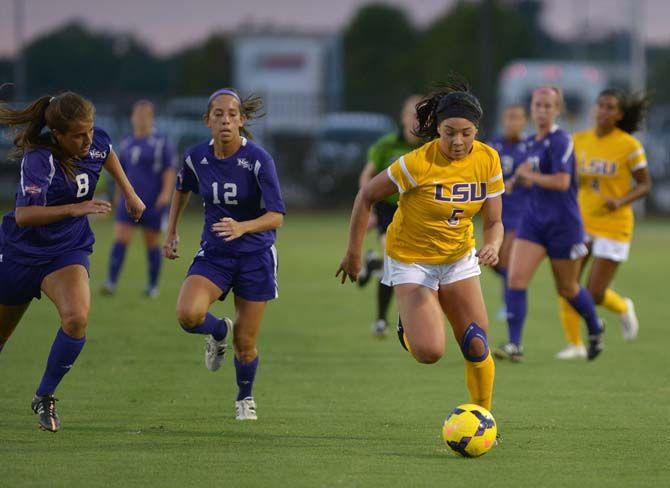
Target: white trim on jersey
[[189, 163], [273, 249], [496, 178], [554, 128], [568, 152], [493, 195], [412, 181], [52, 172], [23, 187], [257, 168], [388, 172], [244, 141], [640, 165], [637, 152]]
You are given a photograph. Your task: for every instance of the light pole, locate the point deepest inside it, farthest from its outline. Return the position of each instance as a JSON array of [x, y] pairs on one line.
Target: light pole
[[20, 91], [638, 64]]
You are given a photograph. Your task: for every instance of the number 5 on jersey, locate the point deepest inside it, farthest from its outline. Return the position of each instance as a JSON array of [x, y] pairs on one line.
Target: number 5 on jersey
[[230, 192], [453, 219]]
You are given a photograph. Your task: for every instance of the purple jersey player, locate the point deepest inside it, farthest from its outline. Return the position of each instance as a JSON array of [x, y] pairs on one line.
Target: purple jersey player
[[551, 226], [148, 159], [237, 181], [46, 240], [511, 146]]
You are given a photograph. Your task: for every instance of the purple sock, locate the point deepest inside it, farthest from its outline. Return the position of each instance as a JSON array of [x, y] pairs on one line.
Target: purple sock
[[216, 327], [517, 307], [2, 345], [64, 352], [502, 272], [583, 303], [154, 258], [116, 258], [246, 372]]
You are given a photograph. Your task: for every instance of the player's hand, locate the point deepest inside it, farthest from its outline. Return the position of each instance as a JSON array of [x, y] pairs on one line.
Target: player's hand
[[612, 204], [91, 207], [135, 207], [349, 267], [170, 246], [163, 200], [509, 184], [487, 255], [229, 229], [524, 174]]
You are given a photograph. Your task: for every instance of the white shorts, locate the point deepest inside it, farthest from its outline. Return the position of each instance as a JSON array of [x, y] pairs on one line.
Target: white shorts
[[430, 275], [602, 247]]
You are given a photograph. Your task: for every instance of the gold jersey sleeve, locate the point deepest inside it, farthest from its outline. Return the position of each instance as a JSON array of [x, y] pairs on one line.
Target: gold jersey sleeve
[[438, 199], [605, 167]]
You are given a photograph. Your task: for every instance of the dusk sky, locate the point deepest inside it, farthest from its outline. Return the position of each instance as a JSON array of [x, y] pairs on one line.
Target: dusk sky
[[169, 25]]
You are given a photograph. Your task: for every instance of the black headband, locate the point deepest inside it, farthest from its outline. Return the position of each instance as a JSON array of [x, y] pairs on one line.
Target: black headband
[[461, 105]]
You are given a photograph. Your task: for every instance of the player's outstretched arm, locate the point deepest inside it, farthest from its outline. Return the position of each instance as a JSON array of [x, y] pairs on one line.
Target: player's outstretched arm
[[493, 231], [169, 178], [134, 204], [179, 202], [559, 181], [36, 215], [375, 190]]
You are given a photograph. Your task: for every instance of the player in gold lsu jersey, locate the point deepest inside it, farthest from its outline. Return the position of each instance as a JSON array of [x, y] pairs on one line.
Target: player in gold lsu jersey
[[430, 260], [609, 159]]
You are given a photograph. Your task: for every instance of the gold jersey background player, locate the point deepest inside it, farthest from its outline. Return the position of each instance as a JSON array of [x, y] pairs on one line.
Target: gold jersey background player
[[431, 261], [609, 159]]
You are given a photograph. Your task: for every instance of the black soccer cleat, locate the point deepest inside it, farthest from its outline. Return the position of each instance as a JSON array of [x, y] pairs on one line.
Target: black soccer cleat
[[596, 343], [371, 264], [510, 352], [401, 334], [45, 408]]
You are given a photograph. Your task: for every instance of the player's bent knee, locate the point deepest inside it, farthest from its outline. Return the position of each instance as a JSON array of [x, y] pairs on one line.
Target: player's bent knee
[[427, 355], [189, 318], [568, 291], [474, 344], [75, 321]]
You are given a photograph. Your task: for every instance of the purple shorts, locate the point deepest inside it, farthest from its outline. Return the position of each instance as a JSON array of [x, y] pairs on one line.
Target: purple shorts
[[252, 277], [561, 241], [20, 283], [152, 218]]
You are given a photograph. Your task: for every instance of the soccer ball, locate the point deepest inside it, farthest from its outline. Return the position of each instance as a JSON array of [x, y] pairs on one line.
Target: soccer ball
[[470, 430]]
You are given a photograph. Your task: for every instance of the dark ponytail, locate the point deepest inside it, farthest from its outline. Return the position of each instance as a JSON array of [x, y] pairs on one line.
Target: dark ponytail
[[54, 113], [633, 106], [458, 91]]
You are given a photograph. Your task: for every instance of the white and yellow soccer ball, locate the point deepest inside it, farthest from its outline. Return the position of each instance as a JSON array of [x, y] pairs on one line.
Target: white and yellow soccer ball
[[470, 430]]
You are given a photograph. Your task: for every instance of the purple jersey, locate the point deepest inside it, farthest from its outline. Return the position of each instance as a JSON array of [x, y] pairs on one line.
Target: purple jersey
[[243, 187], [512, 154], [43, 182], [145, 159], [549, 155]]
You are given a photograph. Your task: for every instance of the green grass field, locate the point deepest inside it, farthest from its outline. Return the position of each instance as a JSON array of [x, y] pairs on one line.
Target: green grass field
[[336, 407]]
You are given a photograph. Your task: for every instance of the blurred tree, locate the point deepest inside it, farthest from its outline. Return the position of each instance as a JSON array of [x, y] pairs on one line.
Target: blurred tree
[[379, 47], [72, 58], [454, 42], [197, 69]]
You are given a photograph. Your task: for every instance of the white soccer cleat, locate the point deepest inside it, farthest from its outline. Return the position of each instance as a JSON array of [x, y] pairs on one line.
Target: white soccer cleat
[[629, 323], [215, 350], [380, 329], [245, 409], [572, 351]]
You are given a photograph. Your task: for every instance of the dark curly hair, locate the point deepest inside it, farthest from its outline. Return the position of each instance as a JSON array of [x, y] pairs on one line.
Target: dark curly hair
[[634, 107]]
